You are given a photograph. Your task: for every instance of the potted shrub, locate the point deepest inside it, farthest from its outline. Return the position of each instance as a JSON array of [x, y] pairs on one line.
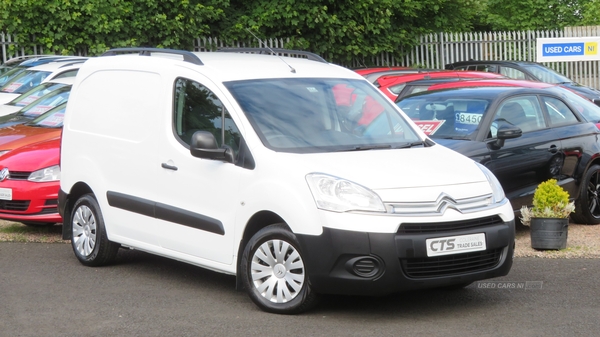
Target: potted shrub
[[549, 216]]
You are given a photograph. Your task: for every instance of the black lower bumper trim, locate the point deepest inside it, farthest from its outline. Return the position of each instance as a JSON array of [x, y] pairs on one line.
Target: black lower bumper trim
[[402, 260]]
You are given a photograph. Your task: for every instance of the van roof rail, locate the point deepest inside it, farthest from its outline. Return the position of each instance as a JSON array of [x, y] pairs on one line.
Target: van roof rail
[[188, 56], [275, 51], [72, 63]]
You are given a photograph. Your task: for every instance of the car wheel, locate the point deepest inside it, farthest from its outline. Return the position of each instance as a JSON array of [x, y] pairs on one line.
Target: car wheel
[[89, 240], [587, 207], [39, 224], [274, 274]]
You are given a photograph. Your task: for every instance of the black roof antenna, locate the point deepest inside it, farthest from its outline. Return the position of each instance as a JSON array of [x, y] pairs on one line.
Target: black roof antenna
[[272, 51]]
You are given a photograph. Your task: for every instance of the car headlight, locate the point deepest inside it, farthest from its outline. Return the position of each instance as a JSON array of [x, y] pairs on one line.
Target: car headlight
[[51, 173], [340, 195], [497, 191]]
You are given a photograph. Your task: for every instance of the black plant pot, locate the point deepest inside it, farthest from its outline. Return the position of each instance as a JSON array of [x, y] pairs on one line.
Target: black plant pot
[[549, 233]]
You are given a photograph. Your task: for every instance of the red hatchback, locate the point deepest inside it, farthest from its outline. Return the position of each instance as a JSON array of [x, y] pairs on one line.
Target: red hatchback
[[30, 172], [29, 182]]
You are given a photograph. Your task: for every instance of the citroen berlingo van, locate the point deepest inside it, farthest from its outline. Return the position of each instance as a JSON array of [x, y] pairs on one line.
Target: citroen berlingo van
[[295, 175]]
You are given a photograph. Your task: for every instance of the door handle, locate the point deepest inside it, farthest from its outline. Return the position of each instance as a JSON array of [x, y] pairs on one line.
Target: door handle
[[169, 167], [553, 149]]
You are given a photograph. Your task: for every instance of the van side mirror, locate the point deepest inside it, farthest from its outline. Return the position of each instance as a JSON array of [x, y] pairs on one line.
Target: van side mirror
[[505, 131], [204, 145]]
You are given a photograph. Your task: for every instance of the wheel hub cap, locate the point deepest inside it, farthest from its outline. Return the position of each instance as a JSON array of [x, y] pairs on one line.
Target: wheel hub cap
[[277, 271], [84, 230]]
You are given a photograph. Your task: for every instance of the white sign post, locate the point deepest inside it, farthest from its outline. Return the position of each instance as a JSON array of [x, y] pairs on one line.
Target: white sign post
[[568, 49]]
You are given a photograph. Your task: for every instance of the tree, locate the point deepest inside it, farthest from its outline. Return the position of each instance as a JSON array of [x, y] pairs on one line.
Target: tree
[[591, 13], [68, 26], [506, 15], [342, 30]]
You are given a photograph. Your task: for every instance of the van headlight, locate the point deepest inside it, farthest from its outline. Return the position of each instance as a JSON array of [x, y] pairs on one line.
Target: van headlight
[[497, 191], [51, 173], [340, 195]]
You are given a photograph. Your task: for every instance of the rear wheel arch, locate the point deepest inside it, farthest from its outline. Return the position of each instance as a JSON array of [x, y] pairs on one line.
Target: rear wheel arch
[[580, 174], [75, 193], [89, 240]]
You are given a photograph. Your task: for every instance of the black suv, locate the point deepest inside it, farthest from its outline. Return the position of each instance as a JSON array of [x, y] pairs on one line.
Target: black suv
[[531, 71]]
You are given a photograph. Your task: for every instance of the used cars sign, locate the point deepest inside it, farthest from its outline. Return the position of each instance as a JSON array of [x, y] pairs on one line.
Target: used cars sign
[[567, 49]]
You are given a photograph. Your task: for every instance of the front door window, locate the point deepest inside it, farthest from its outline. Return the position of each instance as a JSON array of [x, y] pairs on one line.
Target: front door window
[[198, 108]]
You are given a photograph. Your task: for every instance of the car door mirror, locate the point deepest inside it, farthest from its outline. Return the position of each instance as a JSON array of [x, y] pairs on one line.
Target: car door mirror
[[507, 131], [504, 130], [204, 145]]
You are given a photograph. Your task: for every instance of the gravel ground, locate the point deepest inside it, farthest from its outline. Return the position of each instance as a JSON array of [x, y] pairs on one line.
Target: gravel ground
[[582, 241]]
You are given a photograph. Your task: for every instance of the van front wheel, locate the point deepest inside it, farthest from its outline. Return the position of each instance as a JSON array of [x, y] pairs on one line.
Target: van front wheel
[[89, 240], [274, 274]]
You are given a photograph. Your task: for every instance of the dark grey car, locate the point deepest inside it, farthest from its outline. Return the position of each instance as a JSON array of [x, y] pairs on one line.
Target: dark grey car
[[523, 135], [532, 71]]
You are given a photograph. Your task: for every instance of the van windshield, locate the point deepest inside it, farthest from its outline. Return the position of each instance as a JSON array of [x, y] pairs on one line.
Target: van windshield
[[322, 115]]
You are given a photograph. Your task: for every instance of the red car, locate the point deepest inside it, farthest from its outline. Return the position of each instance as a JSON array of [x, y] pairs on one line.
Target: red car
[[491, 83], [29, 170], [372, 74], [392, 85]]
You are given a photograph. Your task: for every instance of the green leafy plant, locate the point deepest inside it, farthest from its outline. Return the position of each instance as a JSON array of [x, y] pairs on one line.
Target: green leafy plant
[[549, 201]]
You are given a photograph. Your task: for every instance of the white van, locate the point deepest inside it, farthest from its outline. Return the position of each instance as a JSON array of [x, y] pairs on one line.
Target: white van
[[296, 175]]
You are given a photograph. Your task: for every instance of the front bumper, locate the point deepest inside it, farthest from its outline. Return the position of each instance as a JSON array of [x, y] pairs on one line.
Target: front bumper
[[31, 202], [360, 263]]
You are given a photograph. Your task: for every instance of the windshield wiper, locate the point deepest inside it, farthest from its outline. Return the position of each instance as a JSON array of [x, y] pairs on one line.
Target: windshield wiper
[[369, 147], [384, 146], [410, 145], [455, 137]]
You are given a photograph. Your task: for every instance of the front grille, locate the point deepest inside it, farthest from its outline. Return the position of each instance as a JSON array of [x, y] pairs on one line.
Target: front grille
[[14, 205], [18, 175], [450, 265], [417, 228]]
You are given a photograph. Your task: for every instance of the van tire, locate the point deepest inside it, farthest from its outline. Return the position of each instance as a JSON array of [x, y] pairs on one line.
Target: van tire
[[89, 240], [297, 295]]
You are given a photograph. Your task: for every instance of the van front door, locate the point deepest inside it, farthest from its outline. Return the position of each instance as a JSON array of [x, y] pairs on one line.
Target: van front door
[[196, 210]]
